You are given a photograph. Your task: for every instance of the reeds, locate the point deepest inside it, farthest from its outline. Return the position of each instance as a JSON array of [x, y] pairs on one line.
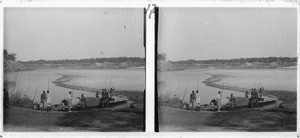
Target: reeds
[[19, 88]]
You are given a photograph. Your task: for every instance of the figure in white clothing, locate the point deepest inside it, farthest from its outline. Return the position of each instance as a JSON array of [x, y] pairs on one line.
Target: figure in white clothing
[[48, 101], [197, 100], [219, 99]]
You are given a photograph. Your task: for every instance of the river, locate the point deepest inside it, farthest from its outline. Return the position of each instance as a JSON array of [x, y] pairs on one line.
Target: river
[[177, 83], [30, 81]]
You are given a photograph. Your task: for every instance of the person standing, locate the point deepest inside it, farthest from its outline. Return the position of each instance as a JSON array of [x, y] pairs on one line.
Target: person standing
[[111, 91], [192, 100], [232, 101], [48, 97], [247, 94], [219, 99], [69, 99], [97, 95], [260, 92], [197, 97], [105, 98], [43, 100], [83, 101]]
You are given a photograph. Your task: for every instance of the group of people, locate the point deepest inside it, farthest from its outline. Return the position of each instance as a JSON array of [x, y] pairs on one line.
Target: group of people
[[67, 103], [218, 101], [195, 101], [104, 97], [256, 95], [45, 104], [46, 101]]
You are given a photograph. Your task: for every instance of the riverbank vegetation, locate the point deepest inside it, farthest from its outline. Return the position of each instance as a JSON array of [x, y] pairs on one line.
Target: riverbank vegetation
[[10, 64], [236, 63], [91, 63], [241, 63]]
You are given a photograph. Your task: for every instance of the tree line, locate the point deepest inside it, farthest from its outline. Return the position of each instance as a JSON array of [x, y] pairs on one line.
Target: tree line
[[9, 56], [240, 60], [90, 60]]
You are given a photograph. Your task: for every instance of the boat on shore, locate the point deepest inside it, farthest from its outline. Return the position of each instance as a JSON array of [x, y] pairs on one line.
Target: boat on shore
[[240, 104], [92, 103]]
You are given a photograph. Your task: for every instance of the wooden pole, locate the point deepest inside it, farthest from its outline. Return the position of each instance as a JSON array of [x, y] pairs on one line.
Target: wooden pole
[[35, 93], [48, 84], [197, 83]]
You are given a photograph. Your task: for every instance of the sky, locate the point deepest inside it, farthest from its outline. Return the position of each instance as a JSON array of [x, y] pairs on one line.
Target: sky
[[73, 33], [226, 33]]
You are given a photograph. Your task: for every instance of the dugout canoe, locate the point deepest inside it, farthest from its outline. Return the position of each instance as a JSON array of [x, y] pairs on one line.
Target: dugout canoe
[[92, 103], [241, 103]]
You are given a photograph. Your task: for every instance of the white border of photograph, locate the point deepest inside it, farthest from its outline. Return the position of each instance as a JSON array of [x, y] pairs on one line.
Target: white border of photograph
[[150, 59]]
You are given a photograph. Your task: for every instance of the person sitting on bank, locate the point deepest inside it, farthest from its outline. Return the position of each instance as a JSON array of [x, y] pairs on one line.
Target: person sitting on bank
[[64, 104], [213, 102]]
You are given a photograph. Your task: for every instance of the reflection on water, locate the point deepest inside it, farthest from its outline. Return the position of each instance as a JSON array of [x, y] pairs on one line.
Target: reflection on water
[[176, 83], [30, 81]]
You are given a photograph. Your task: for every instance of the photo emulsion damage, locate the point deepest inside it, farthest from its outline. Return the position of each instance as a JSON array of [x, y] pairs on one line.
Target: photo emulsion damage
[[227, 69], [74, 69]]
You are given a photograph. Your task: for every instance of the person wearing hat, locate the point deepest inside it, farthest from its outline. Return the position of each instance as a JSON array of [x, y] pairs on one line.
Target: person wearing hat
[[219, 99]]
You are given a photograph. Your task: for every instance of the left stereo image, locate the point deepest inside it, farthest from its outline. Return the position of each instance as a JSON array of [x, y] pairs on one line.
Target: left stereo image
[[74, 69]]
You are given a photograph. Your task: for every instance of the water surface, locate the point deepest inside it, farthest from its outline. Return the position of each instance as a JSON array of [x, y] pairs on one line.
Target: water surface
[[30, 81], [177, 83]]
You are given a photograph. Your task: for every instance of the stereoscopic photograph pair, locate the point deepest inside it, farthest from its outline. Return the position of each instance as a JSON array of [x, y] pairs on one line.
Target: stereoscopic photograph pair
[[84, 69]]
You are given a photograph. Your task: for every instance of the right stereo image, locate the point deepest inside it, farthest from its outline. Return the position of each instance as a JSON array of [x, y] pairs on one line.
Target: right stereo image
[[226, 69]]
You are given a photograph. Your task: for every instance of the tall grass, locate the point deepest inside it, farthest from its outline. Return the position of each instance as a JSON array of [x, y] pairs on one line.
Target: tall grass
[[17, 88]]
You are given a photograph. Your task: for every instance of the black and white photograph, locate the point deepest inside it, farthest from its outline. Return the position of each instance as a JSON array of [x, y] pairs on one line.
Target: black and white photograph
[[225, 69], [74, 69]]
